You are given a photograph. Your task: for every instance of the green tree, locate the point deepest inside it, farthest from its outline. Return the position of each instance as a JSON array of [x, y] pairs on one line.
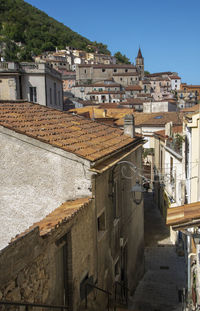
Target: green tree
[[121, 59]]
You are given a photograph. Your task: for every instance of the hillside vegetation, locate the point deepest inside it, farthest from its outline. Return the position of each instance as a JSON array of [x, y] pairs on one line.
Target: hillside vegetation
[[35, 32]]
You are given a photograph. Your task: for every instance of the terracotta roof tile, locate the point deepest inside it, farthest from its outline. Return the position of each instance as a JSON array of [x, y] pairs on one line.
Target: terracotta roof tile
[[155, 119], [63, 130], [133, 88], [60, 215]]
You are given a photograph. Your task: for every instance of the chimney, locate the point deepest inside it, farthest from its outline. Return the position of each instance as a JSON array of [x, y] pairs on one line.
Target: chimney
[[129, 125]]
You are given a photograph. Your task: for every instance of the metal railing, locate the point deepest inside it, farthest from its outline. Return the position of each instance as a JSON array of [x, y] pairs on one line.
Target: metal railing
[[27, 306], [123, 293], [100, 289]]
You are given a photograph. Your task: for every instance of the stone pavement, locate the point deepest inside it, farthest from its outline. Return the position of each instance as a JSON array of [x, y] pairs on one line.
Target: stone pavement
[[165, 276]]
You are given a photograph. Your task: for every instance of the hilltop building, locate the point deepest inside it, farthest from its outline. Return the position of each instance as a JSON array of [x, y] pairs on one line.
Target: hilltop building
[[35, 82]]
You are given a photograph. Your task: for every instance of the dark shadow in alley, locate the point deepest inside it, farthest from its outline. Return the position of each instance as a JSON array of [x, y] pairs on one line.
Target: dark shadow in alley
[[159, 289], [155, 229]]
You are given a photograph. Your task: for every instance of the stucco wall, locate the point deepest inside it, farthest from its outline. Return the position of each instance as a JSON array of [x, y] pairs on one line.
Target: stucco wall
[[35, 178], [159, 107], [37, 81], [9, 88], [54, 100]]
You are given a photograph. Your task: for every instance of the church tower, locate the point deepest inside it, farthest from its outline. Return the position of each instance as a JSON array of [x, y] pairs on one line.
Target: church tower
[[139, 63]]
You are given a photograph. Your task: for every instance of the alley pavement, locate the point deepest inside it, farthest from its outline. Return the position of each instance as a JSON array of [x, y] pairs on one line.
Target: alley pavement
[[165, 275]]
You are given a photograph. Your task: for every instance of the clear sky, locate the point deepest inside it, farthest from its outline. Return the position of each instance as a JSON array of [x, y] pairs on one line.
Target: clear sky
[[167, 31]]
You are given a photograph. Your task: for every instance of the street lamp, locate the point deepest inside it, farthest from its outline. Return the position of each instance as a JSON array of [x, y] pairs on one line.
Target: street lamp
[[137, 189], [136, 193]]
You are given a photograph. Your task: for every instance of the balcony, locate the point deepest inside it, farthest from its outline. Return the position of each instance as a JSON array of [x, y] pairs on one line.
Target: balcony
[[175, 145]]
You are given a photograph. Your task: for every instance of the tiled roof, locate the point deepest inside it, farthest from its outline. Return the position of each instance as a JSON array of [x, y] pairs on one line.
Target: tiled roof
[[183, 214], [144, 95], [105, 85], [175, 129], [59, 216], [159, 74], [191, 86], [85, 138], [105, 92], [133, 88], [155, 119], [160, 134], [175, 77]]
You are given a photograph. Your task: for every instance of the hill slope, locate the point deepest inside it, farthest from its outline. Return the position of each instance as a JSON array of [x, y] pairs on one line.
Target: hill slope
[[36, 31]]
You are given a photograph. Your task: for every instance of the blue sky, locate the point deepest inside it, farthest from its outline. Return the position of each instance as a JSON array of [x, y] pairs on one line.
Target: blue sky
[[167, 31]]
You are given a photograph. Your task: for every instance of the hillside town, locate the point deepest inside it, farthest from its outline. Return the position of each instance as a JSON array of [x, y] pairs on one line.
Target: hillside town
[[97, 155]]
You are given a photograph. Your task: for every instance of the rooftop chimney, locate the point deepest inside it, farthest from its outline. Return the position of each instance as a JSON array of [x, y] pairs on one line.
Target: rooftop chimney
[[129, 125]]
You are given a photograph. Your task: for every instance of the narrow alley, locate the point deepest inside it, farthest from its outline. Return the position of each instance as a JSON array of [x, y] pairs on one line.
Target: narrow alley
[[165, 277]]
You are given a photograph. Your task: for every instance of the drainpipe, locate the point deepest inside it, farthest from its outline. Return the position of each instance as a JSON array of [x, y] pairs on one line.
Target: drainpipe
[[189, 264]]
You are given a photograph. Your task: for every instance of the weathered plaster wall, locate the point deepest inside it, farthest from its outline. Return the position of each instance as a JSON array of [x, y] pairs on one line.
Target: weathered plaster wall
[[8, 88], [35, 178]]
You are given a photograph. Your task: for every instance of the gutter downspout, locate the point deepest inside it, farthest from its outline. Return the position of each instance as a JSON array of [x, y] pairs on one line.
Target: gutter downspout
[[189, 265]]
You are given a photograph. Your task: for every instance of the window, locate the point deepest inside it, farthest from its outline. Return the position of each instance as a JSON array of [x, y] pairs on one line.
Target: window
[[101, 223], [131, 79], [85, 71], [115, 70], [50, 96], [103, 70], [126, 70], [58, 97], [55, 101], [120, 79], [33, 94]]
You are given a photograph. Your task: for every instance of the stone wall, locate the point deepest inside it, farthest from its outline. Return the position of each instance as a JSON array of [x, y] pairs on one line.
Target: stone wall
[[32, 267]]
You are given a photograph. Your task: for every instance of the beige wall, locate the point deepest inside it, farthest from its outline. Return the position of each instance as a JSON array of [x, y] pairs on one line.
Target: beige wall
[[9, 87], [98, 74]]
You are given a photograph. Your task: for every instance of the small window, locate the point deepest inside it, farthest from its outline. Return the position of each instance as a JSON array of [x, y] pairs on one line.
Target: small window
[[85, 71], [115, 70], [131, 79], [120, 79], [58, 97], [101, 223], [126, 70], [103, 70], [55, 101], [50, 96], [33, 94]]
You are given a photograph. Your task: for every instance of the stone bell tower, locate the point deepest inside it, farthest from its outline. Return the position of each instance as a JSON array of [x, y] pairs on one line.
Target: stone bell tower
[[139, 63]]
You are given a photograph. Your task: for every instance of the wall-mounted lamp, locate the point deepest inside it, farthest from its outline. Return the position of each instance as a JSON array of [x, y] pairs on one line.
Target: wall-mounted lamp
[[136, 192]]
